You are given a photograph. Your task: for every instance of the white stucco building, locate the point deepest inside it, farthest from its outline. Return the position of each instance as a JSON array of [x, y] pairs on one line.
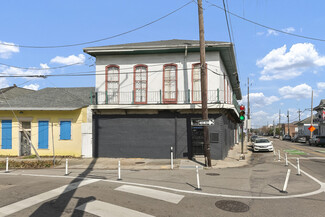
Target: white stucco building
[[148, 94]]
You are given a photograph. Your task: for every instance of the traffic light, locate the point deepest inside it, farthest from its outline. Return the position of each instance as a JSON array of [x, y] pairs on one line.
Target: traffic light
[[242, 113]]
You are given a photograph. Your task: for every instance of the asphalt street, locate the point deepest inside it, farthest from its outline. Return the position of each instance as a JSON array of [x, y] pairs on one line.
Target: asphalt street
[[252, 190]]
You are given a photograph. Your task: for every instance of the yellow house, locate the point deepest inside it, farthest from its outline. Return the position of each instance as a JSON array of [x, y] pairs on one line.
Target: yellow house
[[51, 121]]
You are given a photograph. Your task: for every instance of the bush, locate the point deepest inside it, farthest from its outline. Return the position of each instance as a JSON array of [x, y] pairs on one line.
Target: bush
[[29, 164]]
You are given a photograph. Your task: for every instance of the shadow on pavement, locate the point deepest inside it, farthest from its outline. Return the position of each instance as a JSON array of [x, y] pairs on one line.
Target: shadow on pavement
[[56, 207]]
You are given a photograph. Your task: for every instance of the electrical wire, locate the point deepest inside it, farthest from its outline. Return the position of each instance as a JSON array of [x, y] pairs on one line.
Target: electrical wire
[[32, 68], [268, 27], [102, 39]]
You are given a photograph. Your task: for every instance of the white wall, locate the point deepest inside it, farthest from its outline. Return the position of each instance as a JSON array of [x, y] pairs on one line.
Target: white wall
[[155, 64]]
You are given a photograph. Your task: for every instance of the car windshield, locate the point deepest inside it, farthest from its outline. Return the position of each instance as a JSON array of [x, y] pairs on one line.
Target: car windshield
[[262, 141]]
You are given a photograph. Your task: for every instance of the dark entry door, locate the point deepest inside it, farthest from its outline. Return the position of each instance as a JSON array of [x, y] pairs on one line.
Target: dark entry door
[[24, 144], [197, 140]]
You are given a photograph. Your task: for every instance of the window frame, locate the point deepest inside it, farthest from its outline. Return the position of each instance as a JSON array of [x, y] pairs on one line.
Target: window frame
[[63, 120], [134, 84], [206, 70], [48, 128], [7, 146], [106, 82], [176, 86]]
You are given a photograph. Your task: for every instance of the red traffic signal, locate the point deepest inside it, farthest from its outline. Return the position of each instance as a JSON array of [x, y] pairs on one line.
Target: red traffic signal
[[242, 108]]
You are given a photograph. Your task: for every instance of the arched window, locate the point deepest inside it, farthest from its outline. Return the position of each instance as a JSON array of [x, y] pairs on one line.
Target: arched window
[[112, 83], [196, 82], [170, 83], [140, 84]]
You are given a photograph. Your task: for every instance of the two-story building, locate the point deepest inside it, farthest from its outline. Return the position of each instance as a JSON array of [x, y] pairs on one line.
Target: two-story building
[[148, 96]]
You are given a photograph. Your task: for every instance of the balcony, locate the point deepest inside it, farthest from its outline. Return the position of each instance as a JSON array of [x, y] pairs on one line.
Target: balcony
[[157, 97]]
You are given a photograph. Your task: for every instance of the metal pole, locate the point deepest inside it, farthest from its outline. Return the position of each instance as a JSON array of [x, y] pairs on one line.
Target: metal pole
[[198, 179], [7, 165], [279, 155], [284, 190], [288, 123], [171, 158], [298, 167], [66, 167], [248, 111], [119, 170], [204, 96]]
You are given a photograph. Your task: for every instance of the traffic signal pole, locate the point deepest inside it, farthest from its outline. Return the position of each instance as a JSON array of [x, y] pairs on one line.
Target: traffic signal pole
[[204, 96]]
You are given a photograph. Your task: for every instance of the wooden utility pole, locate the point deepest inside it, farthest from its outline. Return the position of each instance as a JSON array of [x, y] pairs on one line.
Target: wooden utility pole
[[204, 95], [248, 111], [299, 114], [311, 115], [288, 123]]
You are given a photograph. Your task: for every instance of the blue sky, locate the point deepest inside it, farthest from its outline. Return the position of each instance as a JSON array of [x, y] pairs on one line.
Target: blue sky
[[283, 69]]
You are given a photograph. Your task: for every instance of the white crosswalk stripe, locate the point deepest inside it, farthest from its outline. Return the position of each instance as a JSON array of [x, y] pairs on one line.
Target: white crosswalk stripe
[[23, 204], [100, 208], [148, 192]]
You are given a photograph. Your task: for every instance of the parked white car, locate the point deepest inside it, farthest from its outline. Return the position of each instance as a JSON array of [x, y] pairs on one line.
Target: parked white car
[[262, 144]]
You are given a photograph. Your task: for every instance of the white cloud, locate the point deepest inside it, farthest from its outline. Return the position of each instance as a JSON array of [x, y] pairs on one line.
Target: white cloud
[[3, 83], [7, 51], [259, 100], [321, 85], [272, 32], [302, 91], [32, 86], [260, 33], [24, 72], [72, 59], [280, 64], [289, 29]]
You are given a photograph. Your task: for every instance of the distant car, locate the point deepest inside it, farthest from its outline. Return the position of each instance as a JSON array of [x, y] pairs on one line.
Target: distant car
[[298, 138], [262, 144], [317, 140], [276, 136], [286, 137]]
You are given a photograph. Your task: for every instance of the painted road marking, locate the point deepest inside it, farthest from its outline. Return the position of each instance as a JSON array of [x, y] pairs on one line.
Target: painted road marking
[[295, 152], [147, 192], [23, 204], [320, 190], [321, 151], [100, 208]]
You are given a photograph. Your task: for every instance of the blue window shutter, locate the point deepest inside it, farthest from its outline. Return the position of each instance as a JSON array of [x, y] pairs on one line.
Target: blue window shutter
[[6, 134], [43, 134], [65, 130]]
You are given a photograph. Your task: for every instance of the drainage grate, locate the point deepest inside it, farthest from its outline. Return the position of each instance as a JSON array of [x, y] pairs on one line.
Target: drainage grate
[[140, 162], [232, 206], [212, 174]]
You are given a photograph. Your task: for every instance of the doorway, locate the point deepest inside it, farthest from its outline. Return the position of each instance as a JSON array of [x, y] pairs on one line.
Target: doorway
[[25, 130]]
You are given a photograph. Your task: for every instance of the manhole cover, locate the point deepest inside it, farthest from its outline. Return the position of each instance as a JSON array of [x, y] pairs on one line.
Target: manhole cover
[[212, 174], [140, 162], [232, 206]]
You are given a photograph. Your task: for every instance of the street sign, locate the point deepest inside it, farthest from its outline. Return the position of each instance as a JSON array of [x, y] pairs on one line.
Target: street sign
[[209, 122], [311, 128]]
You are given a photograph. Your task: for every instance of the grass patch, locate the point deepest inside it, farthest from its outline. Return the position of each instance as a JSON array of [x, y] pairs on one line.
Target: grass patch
[[295, 152], [28, 164]]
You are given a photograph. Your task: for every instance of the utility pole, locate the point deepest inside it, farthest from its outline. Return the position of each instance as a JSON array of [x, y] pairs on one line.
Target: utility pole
[[205, 114], [279, 122], [248, 111], [288, 123], [311, 115], [299, 114], [273, 128]]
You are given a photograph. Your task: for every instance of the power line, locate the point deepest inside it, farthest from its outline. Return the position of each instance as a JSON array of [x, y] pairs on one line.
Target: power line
[[102, 39], [268, 27], [31, 68]]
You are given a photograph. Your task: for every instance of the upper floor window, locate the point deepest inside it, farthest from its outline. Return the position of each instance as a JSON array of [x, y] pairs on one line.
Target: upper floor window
[[170, 83], [112, 83], [196, 82], [140, 84]]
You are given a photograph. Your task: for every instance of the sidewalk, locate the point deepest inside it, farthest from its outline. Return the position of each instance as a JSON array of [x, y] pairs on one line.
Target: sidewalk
[[232, 160]]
